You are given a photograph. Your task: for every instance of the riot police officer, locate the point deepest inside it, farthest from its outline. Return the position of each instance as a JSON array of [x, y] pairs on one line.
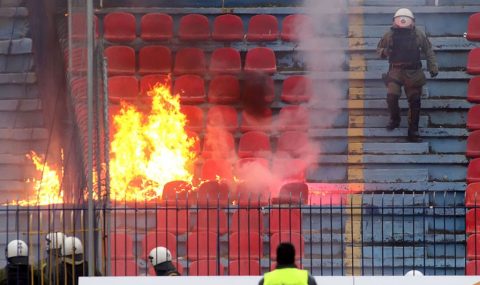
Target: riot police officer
[[53, 242], [18, 271], [73, 263], [161, 260]]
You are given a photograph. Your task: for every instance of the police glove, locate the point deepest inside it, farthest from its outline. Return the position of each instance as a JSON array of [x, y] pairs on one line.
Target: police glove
[[433, 74]]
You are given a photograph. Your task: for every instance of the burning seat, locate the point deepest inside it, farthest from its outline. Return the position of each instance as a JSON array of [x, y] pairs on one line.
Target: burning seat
[[473, 144], [122, 87], [194, 27], [473, 62], [190, 88], [254, 144], [261, 59], [155, 59], [147, 82], [472, 195], [224, 89], [121, 60], [213, 169], [473, 92], [293, 118], [223, 117], [473, 118], [244, 267], [225, 61], [473, 30], [228, 27], [294, 238], [295, 25], [190, 60], [119, 27], [208, 267], [156, 27], [262, 28], [202, 245], [194, 116], [297, 89]]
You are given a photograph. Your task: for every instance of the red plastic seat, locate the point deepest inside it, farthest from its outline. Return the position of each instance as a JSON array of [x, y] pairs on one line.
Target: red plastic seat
[[293, 144], [79, 26], [473, 171], [261, 122], [473, 30], [472, 195], [473, 92], [194, 116], [245, 245], [254, 144], [176, 193], [247, 220], [261, 59], [211, 220], [201, 245], [296, 26], [223, 117], [213, 193], [196, 146], [285, 220], [259, 92], [224, 89], [225, 61], [194, 27], [190, 60], [290, 169], [297, 89], [293, 237], [244, 267], [79, 88], [473, 62], [122, 267], [472, 267], [228, 27], [155, 59], [210, 267], [262, 28], [245, 168], [472, 221], [79, 59], [473, 144], [172, 220], [156, 27], [147, 82], [218, 143], [252, 193], [155, 238], [121, 60], [473, 247], [119, 27], [293, 118], [293, 193], [121, 245], [190, 88], [214, 169], [473, 118], [122, 88]]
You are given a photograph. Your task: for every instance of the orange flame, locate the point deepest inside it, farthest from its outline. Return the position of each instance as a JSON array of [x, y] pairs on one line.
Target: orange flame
[[150, 148], [47, 190]]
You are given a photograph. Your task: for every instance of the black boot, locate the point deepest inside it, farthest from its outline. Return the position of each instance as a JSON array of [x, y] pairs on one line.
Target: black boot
[[413, 118], [394, 109]]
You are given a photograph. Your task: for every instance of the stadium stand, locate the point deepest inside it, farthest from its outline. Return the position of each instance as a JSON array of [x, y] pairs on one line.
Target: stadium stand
[[228, 27], [473, 63], [154, 59], [262, 28], [224, 89], [119, 27], [285, 220], [473, 144], [156, 27], [473, 30], [225, 61], [473, 118], [121, 60], [293, 237], [292, 144], [194, 27], [473, 91]]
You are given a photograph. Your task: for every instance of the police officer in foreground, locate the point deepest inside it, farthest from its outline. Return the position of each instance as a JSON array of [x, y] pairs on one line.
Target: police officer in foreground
[[161, 260], [53, 242], [73, 264], [18, 271], [403, 45], [286, 271]]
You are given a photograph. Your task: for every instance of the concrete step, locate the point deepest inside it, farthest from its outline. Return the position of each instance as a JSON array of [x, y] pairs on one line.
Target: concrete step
[[16, 63], [13, 27], [395, 159], [16, 46], [381, 121], [21, 120], [388, 175], [12, 3], [24, 134], [367, 93], [382, 132], [389, 148], [382, 104]]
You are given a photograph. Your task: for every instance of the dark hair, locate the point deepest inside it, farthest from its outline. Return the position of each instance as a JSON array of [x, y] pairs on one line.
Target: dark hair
[[285, 254]]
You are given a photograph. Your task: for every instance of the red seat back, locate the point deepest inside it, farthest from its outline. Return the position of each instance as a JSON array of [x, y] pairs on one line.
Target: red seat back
[[261, 59], [473, 144], [210, 267], [121, 60], [228, 27], [252, 168], [473, 92], [123, 267], [297, 26], [245, 245], [172, 220], [155, 59], [254, 144], [262, 28], [119, 27], [473, 171], [224, 89], [261, 122], [472, 267], [218, 143], [214, 169], [473, 62], [473, 118], [190, 60], [202, 245], [473, 30], [293, 118], [121, 245], [194, 27], [294, 238], [293, 144], [225, 61], [122, 88], [297, 89], [473, 247], [223, 117], [252, 193], [190, 88], [244, 267], [290, 169], [285, 220], [472, 221], [156, 27], [194, 115], [247, 221], [472, 195], [211, 220], [147, 82]]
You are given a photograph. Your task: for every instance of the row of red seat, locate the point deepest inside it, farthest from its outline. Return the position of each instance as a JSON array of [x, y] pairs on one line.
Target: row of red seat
[[473, 62], [222, 89], [204, 244], [158, 59], [473, 29], [121, 27]]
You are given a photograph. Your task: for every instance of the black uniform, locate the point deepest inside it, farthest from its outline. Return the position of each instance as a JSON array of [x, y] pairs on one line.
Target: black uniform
[[69, 273], [21, 274]]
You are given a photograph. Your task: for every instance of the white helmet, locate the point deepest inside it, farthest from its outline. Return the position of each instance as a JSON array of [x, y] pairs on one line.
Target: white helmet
[[414, 273], [73, 249], [159, 255], [16, 248], [403, 18], [54, 240]]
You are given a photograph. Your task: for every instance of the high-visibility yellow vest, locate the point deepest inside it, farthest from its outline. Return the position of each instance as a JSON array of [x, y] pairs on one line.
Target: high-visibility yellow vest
[[286, 276]]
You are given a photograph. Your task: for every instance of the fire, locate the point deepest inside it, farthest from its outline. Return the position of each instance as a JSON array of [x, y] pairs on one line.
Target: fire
[[47, 190], [150, 148]]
